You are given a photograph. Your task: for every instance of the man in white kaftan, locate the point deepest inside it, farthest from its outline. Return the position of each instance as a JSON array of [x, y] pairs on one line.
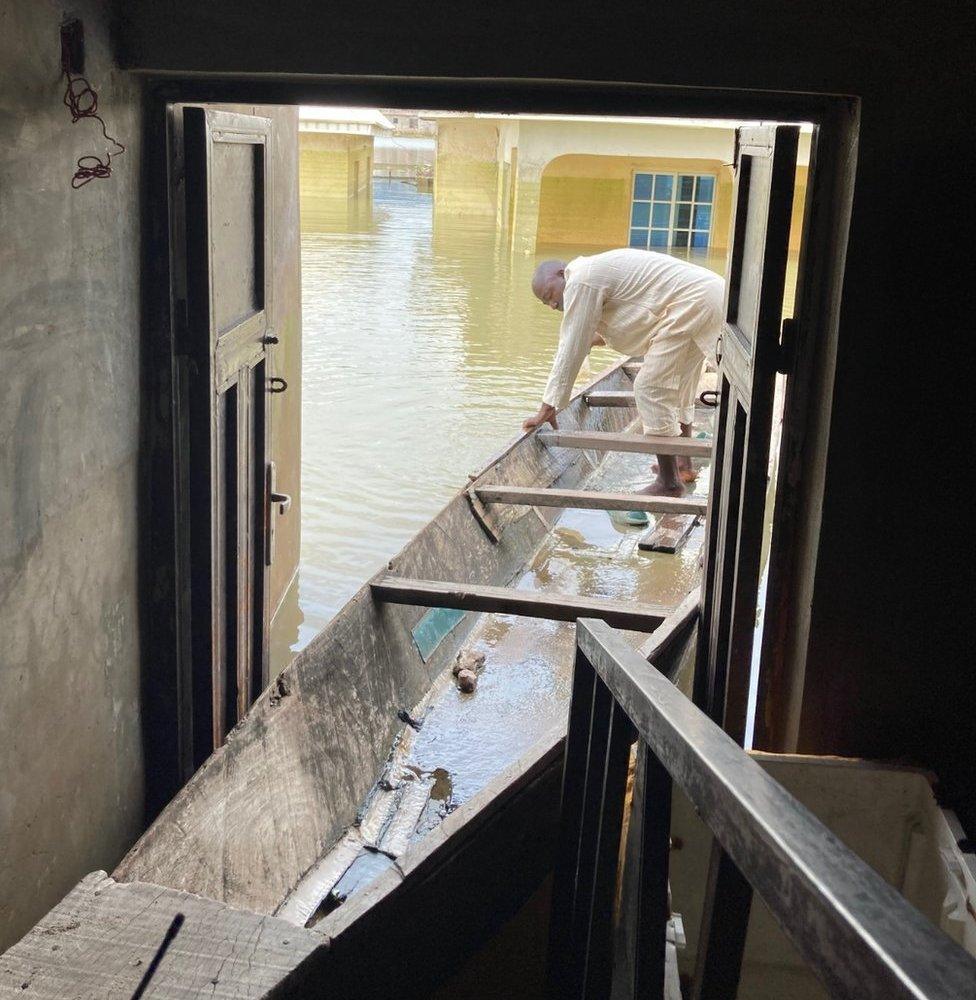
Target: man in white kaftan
[[639, 303]]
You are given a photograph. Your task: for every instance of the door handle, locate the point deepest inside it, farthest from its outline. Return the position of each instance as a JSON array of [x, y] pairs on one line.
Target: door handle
[[283, 500], [718, 350]]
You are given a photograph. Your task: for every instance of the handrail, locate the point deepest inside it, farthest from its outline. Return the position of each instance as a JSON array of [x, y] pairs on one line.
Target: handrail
[[859, 936]]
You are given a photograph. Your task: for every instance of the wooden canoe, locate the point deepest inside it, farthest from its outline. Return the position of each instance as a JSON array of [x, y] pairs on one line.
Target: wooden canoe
[[253, 827]]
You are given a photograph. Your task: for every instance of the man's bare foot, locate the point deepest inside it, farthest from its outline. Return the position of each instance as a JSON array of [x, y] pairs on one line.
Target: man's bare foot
[[687, 473], [659, 489]]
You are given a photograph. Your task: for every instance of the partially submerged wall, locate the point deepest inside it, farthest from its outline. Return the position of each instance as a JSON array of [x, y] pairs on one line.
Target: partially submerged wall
[[334, 165], [586, 199], [70, 738]]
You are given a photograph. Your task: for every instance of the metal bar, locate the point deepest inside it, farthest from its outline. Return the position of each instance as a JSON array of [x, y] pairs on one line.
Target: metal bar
[[653, 911], [570, 824], [724, 923], [858, 934], [589, 500], [575, 957], [599, 937], [510, 601], [644, 444]]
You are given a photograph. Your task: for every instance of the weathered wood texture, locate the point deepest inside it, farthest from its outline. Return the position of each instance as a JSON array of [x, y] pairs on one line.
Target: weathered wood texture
[[269, 803], [669, 534], [461, 883], [99, 941], [606, 397], [644, 444], [590, 500], [509, 601], [661, 647]]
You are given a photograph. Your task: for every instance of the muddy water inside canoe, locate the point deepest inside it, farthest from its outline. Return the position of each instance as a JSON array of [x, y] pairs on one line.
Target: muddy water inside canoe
[[523, 689], [465, 740]]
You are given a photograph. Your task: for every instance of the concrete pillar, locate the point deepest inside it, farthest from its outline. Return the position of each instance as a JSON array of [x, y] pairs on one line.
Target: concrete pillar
[[466, 169], [524, 222]]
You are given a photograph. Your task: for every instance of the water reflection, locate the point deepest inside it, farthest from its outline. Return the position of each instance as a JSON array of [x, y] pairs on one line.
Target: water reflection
[[423, 351]]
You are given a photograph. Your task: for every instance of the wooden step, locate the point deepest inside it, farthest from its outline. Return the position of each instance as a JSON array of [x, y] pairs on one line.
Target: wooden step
[[509, 601], [603, 397], [668, 535], [588, 500], [645, 444]]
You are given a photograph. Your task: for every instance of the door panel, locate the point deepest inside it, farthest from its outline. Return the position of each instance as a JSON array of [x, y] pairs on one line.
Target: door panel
[[748, 360], [228, 307]]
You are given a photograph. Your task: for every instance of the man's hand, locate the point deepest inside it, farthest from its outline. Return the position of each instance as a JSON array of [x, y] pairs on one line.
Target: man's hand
[[546, 414]]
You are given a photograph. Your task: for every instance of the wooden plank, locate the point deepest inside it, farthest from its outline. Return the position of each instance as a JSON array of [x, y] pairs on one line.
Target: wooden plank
[[460, 883], [509, 601], [590, 500], [631, 368], [663, 641], [102, 937], [607, 397], [644, 444], [669, 534]]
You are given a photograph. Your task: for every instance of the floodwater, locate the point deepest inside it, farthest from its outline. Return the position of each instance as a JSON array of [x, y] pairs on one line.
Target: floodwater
[[424, 350]]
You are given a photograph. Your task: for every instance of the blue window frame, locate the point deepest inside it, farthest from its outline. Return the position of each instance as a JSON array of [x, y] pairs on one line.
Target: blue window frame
[[671, 211]]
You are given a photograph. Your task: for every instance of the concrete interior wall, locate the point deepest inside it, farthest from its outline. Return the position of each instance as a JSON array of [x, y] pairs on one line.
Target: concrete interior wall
[[71, 786]]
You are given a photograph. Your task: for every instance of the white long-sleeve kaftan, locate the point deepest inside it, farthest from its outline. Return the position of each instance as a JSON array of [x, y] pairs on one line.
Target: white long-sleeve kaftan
[[641, 302]]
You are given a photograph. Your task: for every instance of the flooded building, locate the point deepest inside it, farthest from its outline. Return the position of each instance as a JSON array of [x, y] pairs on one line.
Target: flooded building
[[549, 181], [180, 817], [336, 148]]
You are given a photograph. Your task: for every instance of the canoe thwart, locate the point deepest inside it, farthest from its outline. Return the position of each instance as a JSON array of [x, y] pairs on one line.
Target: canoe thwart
[[606, 397], [645, 444], [590, 500], [510, 601]]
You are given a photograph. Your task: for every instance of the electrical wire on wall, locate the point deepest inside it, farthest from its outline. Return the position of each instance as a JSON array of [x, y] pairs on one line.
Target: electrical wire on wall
[[81, 100]]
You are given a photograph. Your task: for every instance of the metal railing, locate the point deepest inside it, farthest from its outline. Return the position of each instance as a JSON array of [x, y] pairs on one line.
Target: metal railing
[[858, 935]]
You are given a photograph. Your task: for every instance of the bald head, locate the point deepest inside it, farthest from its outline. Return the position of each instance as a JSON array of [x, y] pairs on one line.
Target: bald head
[[549, 282]]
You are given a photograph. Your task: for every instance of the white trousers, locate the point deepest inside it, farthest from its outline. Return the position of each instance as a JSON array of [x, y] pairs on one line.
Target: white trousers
[[667, 383]]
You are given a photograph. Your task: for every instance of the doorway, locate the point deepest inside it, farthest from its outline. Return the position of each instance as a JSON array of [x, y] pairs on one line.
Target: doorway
[[212, 92]]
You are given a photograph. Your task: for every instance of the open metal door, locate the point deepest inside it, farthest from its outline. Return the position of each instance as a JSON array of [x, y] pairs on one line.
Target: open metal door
[[750, 353], [227, 244]]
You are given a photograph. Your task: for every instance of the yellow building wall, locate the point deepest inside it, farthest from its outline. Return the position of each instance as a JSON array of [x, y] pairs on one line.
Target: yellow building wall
[[585, 200], [334, 166], [466, 169]]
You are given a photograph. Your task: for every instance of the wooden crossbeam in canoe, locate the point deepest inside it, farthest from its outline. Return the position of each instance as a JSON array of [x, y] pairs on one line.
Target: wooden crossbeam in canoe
[[631, 368], [588, 500], [509, 601], [645, 444], [604, 397]]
